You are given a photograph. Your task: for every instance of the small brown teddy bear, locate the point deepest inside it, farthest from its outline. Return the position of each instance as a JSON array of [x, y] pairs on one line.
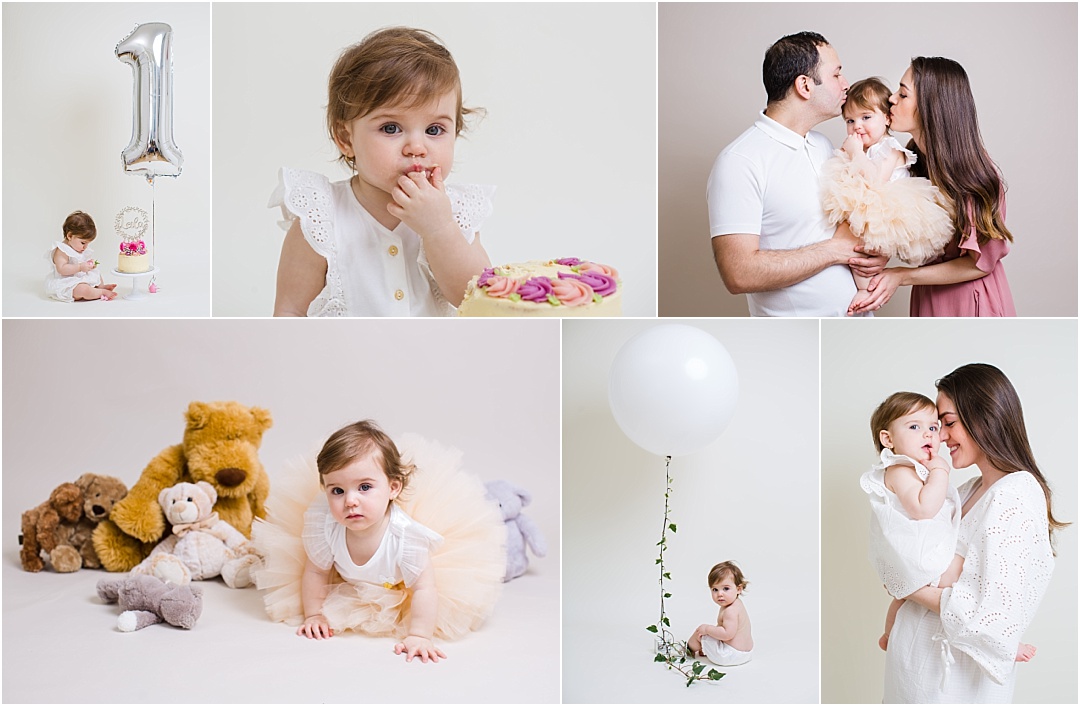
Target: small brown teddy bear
[[221, 447], [59, 530]]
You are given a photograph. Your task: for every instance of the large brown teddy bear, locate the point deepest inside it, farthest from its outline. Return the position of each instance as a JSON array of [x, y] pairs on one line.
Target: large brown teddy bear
[[221, 447], [58, 531]]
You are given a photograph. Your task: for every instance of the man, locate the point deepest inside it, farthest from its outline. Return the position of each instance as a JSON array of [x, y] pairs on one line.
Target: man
[[770, 235]]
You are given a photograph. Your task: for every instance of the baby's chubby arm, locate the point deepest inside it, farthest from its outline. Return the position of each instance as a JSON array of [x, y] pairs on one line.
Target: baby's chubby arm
[[67, 269], [301, 274], [921, 501], [425, 600], [421, 202], [313, 587], [729, 624]]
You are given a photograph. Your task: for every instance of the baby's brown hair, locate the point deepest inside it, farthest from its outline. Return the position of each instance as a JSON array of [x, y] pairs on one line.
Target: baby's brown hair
[[353, 442], [895, 406], [717, 573], [79, 225], [389, 67], [869, 94]]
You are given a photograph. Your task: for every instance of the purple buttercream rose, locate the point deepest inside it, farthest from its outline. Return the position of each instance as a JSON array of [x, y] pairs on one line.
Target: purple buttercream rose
[[601, 284], [568, 261], [535, 289], [485, 276]]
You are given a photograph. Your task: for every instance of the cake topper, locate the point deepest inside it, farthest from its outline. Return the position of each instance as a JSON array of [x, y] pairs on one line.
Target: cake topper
[[131, 224]]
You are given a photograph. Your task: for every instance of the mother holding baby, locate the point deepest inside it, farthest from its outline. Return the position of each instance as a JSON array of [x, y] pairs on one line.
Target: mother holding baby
[[935, 106], [959, 644]]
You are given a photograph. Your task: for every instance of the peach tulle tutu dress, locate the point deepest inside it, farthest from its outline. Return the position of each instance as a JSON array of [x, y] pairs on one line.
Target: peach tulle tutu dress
[[443, 517], [904, 217]]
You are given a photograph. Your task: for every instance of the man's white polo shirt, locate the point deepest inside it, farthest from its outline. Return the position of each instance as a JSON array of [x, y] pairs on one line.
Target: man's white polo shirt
[[766, 183]]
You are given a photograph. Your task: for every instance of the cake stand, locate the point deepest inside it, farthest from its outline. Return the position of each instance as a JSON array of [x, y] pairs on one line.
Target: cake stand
[[135, 294]]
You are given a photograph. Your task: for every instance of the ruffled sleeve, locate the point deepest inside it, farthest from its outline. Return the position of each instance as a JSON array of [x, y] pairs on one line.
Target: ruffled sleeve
[[471, 205], [316, 540], [417, 543], [1006, 572], [891, 142], [992, 250], [306, 196]]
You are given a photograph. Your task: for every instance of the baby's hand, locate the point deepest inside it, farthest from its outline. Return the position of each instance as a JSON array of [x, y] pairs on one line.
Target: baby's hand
[[316, 628], [935, 462], [421, 202], [416, 646], [87, 266], [853, 145]]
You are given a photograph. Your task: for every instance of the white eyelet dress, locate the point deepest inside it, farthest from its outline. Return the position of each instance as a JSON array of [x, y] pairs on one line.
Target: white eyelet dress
[[370, 270]]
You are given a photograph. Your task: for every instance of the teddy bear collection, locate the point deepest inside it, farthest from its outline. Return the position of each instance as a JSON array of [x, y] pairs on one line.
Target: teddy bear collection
[[188, 518]]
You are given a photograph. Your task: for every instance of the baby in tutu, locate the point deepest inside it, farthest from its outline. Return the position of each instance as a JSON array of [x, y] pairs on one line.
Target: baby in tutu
[[728, 642], [359, 557], [868, 185], [915, 510], [74, 274]]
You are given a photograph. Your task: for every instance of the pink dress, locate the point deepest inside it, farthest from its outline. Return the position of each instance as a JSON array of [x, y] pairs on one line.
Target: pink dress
[[986, 296]]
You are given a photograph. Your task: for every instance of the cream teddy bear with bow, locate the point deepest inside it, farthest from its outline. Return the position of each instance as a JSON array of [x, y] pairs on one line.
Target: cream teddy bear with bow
[[200, 545]]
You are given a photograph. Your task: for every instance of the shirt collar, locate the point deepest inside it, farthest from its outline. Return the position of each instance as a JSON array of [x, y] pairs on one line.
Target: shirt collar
[[778, 132]]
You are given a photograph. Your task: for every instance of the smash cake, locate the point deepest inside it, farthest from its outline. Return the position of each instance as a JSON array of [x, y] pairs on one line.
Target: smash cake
[[563, 287], [131, 224]]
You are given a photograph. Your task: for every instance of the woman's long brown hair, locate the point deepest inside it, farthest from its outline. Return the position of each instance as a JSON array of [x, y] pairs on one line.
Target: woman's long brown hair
[[990, 411], [953, 156]]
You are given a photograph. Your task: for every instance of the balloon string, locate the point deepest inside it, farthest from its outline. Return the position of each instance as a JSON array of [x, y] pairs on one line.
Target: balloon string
[[153, 222]]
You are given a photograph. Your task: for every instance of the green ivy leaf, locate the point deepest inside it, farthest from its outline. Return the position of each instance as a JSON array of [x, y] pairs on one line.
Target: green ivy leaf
[[667, 595], [652, 628], [666, 622], [660, 658], [667, 575], [657, 561], [671, 527], [715, 675], [697, 668]]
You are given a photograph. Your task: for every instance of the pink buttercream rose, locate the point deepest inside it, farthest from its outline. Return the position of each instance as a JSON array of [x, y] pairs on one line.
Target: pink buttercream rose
[[501, 286], [571, 292], [602, 269]]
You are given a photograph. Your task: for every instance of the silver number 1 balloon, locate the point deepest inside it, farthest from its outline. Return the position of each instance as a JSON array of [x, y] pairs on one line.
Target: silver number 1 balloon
[[152, 151]]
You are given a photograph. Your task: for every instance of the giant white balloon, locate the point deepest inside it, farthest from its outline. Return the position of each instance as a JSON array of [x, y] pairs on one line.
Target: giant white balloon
[[672, 389]]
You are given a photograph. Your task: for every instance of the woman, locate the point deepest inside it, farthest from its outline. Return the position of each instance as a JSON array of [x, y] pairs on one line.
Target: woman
[[934, 104], [959, 644]]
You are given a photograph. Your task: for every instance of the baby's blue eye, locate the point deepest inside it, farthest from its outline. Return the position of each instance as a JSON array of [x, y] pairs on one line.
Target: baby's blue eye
[[336, 491], [365, 486], [435, 130], [391, 129]]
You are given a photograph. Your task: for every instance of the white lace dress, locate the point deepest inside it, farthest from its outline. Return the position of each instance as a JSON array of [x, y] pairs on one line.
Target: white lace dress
[[908, 554], [60, 286], [967, 654], [370, 270]]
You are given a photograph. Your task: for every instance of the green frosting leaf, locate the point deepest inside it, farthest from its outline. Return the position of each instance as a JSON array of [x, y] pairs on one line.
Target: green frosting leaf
[[515, 297], [553, 301]]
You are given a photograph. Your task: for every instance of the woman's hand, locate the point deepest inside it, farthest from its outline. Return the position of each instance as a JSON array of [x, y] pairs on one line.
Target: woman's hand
[[881, 289], [421, 202], [417, 646], [316, 628]]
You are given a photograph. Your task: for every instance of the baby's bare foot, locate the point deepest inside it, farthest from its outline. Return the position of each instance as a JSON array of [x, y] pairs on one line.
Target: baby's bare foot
[[1025, 652], [883, 641], [109, 294]]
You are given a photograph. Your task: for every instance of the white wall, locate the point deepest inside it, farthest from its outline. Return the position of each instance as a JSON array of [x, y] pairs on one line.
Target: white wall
[[862, 363], [751, 496], [569, 138], [1021, 59], [67, 116]]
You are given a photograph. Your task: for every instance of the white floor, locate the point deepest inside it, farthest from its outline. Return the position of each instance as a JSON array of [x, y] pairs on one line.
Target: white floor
[[62, 646]]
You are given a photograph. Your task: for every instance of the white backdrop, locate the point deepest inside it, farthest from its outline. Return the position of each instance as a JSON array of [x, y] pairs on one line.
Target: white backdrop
[[67, 412], [569, 137], [710, 90], [859, 369], [67, 116], [750, 496]]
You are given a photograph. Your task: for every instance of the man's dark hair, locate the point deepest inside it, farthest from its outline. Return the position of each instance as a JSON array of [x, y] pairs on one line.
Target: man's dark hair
[[788, 58]]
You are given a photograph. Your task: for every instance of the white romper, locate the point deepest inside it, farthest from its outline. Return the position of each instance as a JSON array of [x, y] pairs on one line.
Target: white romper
[[62, 287], [908, 554], [370, 270]]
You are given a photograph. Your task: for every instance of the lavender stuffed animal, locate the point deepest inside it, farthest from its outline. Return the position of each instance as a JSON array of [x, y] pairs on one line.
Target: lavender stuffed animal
[[520, 530]]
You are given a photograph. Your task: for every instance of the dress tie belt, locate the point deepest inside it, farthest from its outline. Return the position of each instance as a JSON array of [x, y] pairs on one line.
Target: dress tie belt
[[947, 659]]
